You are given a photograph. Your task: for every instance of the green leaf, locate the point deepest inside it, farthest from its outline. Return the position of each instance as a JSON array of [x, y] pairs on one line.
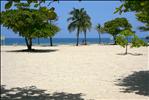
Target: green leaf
[[120, 40], [136, 42], [8, 5], [117, 10], [36, 5]]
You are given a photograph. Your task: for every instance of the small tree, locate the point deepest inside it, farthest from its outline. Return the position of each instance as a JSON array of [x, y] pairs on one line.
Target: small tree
[[122, 40], [114, 27]]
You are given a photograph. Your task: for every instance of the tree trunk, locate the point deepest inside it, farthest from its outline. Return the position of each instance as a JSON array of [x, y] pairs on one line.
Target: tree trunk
[[114, 37], [29, 43], [126, 46], [77, 37], [126, 49], [51, 43], [99, 38], [85, 42]]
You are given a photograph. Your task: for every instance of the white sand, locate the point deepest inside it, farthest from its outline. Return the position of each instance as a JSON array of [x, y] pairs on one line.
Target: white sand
[[92, 70]]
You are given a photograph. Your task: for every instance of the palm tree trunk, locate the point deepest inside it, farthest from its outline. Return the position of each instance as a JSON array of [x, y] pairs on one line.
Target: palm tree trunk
[[99, 38], [77, 37], [51, 42], [85, 42]]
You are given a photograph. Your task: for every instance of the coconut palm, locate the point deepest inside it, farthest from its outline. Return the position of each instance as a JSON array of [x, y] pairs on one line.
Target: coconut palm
[[86, 25], [79, 21], [99, 30]]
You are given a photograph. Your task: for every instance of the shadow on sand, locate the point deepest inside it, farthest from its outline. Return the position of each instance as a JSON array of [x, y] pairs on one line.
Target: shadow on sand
[[133, 54], [34, 50], [138, 82], [33, 93]]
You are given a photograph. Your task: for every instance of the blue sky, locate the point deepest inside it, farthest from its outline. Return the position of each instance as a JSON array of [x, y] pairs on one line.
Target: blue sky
[[99, 11]]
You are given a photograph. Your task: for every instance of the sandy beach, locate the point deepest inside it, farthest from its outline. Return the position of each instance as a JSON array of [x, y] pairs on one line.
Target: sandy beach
[[92, 70]]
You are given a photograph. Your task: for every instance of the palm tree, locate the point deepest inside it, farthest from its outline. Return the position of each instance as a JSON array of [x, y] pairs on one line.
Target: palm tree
[[86, 25], [99, 30], [52, 16], [79, 21]]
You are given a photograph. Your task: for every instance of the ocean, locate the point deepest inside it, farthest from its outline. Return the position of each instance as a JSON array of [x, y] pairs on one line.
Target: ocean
[[56, 41]]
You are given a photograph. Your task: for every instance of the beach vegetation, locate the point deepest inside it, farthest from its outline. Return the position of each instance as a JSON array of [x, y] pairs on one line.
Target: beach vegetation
[[115, 26], [28, 23], [100, 30], [141, 9], [127, 37], [79, 21], [52, 16]]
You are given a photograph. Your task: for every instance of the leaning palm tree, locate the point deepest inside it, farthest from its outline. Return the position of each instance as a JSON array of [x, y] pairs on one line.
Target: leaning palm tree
[[79, 21], [99, 30]]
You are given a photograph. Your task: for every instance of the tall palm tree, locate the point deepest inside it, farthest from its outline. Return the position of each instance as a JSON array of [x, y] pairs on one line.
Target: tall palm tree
[[99, 30], [79, 21], [86, 24]]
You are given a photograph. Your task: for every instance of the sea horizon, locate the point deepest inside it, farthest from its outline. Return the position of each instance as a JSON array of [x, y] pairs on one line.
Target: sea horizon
[[56, 41]]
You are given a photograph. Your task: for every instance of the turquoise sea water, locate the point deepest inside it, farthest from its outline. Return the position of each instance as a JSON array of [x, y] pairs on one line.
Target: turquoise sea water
[[56, 41]]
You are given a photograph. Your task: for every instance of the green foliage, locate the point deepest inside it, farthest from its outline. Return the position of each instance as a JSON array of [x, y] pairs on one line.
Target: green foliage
[[120, 40], [36, 3], [8, 5], [99, 28], [136, 42], [144, 18], [29, 23], [79, 20], [114, 27], [140, 7], [126, 33]]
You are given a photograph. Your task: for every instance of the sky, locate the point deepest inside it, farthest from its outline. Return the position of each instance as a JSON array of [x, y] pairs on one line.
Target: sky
[[99, 11]]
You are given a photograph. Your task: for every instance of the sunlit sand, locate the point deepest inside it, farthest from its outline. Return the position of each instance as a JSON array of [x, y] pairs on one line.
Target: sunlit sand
[[93, 70]]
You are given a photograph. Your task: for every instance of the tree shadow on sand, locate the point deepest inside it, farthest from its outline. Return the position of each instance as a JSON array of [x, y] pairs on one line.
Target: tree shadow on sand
[[133, 54], [33, 93], [138, 82], [34, 50]]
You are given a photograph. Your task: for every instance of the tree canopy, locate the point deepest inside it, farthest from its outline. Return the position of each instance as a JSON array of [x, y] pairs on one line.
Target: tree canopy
[[140, 7], [114, 27], [28, 23]]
